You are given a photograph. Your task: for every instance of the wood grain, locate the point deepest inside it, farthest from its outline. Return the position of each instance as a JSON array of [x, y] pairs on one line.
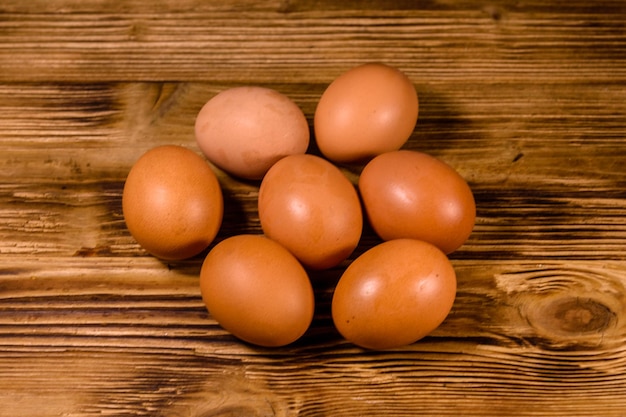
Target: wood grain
[[527, 100]]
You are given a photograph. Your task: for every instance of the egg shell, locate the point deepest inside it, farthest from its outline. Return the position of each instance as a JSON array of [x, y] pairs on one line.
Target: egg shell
[[245, 130], [368, 110], [257, 290], [172, 202], [309, 206], [410, 194], [394, 294]]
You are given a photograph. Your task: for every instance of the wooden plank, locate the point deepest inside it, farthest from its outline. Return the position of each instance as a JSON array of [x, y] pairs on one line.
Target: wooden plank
[[546, 333], [68, 149], [527, 100], [244, 44], [492, 134]]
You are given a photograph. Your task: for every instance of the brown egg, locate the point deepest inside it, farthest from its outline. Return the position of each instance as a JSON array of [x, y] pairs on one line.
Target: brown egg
[[172, 202], [244, 130], [394, 294], [309, 206], [366, 111], [257, 290], [408, 194]]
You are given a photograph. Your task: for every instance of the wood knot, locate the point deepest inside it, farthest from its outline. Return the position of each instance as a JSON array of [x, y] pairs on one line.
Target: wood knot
[[574, 307], [571, 316], [576, 315]]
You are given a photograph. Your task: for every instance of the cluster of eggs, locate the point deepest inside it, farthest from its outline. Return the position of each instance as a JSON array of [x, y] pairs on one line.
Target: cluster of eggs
[[258, 286]]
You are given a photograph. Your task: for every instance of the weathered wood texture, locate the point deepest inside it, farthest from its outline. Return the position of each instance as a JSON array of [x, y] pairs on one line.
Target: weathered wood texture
[[527, 100]]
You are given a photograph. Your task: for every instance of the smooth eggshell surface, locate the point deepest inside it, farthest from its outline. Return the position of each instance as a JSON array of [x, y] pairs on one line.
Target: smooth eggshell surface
[[245, 130], [366, 111], [394, 294], [257, 290], [409, 194], [172, 202], [309, 206]]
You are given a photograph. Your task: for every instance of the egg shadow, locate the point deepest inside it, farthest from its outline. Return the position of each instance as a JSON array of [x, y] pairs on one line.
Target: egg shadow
[[440, 123], [240, 208]]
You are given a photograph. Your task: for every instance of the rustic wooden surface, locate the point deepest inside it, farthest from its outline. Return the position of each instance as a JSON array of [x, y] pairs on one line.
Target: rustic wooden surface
[[527, 100]]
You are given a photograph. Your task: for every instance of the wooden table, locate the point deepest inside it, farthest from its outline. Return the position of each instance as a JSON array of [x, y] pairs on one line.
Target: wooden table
[[527, 100]]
